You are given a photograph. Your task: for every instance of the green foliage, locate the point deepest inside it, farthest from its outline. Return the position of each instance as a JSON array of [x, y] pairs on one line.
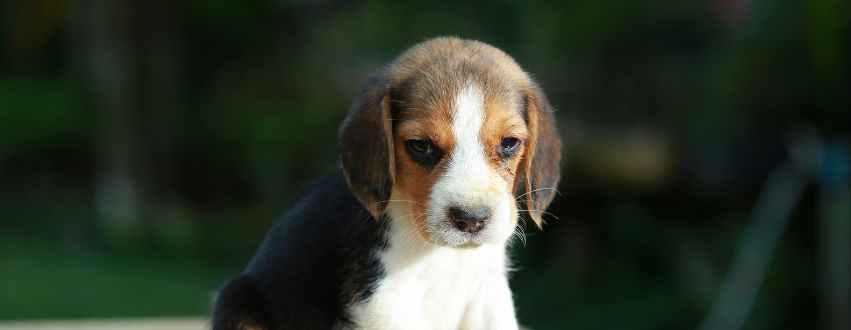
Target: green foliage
[[40, 114], [37, 282]]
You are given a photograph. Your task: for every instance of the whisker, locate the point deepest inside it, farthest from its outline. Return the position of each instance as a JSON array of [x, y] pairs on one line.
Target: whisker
[[414, 228], [412, 233], [553, 189], [520, 233], [410, 229], [417, 241], [543, 212], [404, 216], [398, 200], [409, 232]]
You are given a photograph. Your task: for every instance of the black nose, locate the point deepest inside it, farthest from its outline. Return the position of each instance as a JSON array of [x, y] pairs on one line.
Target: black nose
[[470, 220]]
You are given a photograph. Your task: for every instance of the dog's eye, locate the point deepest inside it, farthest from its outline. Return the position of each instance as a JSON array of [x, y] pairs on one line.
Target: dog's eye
[[509, 143], [423, 152], [421, 146], [508, 147]]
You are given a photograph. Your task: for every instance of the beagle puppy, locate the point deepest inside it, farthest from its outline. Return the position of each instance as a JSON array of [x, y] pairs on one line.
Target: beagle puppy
[[437, 150]]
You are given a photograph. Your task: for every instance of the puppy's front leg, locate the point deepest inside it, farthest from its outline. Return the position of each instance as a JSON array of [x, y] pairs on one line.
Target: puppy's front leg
[[490, 307]]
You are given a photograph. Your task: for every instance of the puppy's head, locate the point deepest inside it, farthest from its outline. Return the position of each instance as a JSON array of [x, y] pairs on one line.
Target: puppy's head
[[449, 129]]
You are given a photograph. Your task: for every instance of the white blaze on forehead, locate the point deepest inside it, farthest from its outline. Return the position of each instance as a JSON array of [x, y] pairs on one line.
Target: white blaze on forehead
[[469, 110], [468, 169]]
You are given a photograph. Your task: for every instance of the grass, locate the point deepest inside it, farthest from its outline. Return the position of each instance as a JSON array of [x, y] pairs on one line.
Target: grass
[[39, 281]]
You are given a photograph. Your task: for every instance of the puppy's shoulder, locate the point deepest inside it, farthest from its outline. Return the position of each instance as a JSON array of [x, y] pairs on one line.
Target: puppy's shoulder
[[315, 260]]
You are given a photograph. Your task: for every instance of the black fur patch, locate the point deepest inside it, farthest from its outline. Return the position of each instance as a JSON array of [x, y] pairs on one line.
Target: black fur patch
[[239, 305], [318, 260]]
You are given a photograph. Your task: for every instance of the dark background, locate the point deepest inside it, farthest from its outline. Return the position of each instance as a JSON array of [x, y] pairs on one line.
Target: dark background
[[146, 146]]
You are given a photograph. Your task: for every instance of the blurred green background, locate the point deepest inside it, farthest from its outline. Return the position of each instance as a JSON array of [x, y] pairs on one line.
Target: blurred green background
[[146, 146]]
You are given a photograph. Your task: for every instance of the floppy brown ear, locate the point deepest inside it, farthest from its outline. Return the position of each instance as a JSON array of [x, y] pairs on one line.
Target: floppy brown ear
[[366, 141], [543, 157]]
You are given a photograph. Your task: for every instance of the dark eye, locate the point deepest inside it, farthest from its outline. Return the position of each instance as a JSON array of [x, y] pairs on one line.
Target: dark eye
[[509, 143], [423, 152], [508, 147], [421, 146]]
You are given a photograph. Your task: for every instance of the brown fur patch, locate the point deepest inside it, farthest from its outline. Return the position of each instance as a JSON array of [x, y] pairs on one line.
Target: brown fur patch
[[249, 326], [365, 139], [543, 158], [503, 120]]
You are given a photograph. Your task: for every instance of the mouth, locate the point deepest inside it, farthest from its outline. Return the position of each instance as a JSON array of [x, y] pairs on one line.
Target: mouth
[[449, 233]]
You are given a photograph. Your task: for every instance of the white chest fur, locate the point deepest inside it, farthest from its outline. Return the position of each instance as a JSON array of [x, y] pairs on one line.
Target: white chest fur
[[434, 287]]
